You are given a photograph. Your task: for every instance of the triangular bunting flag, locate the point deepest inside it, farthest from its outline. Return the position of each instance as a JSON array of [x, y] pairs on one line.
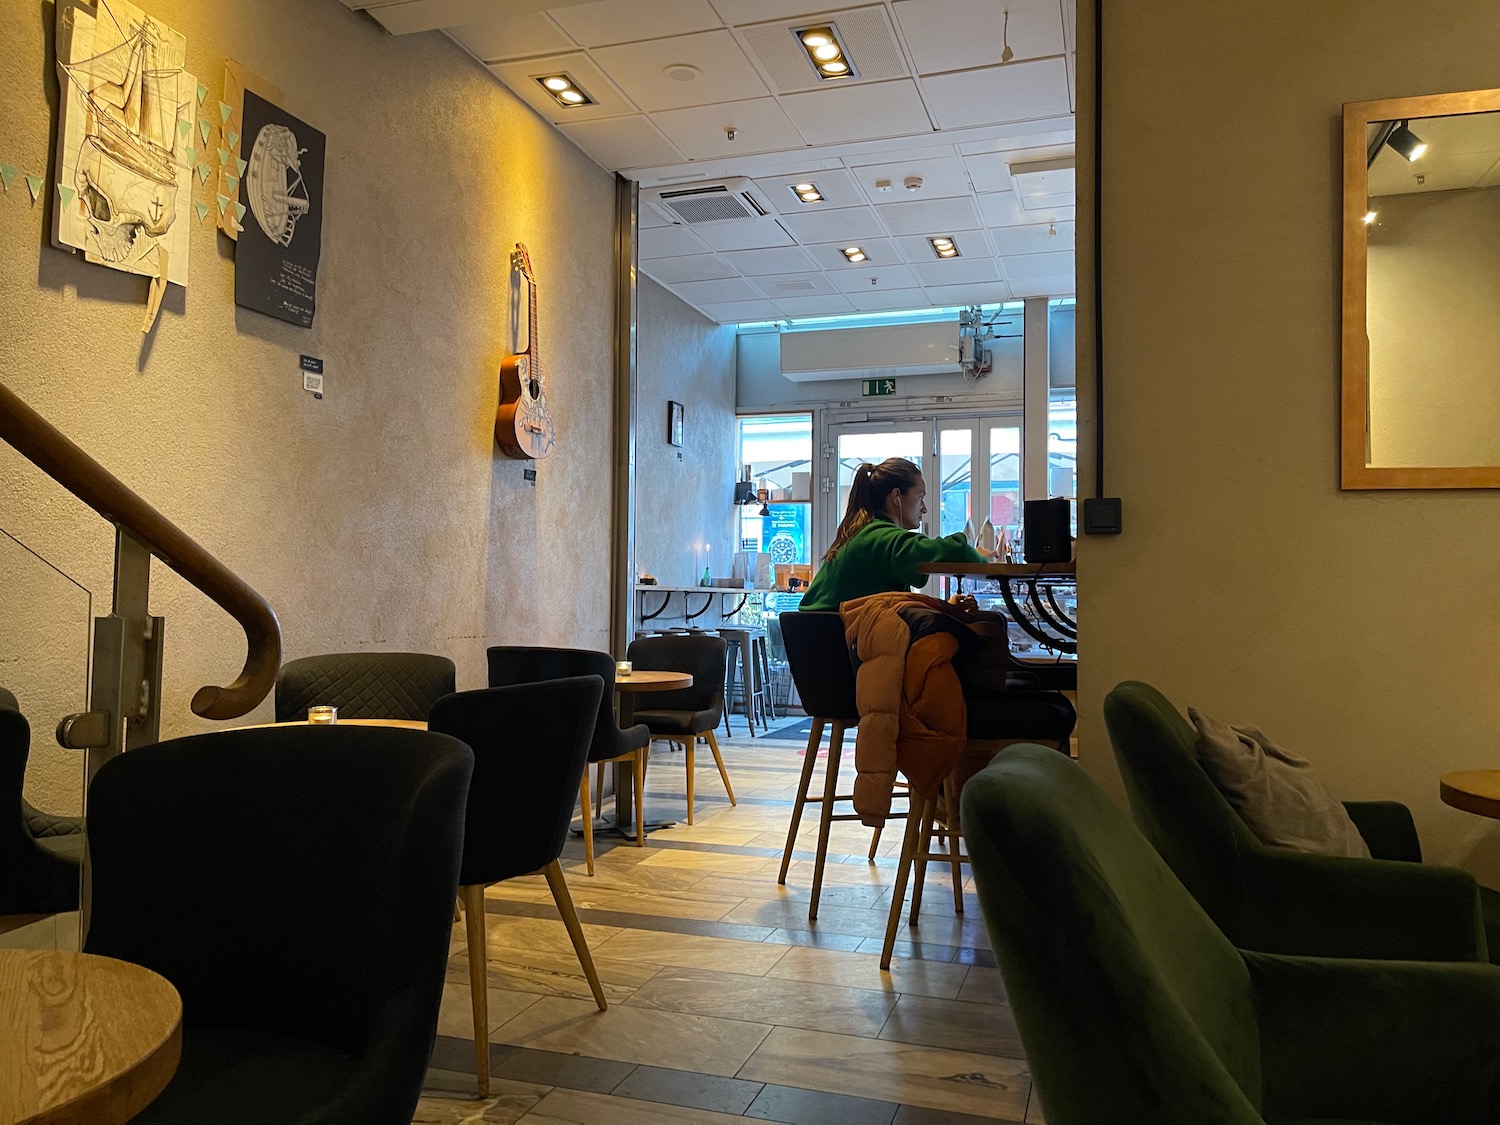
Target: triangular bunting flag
[[202, 92], [35, 184], [65, 193], [239, 212], [243, 164], [185, 127], [223, 203], [203, 173], [232, 137], [202, 209], [223, 157], [233, 182], [192, 157], [205, 127], [9, 172], [225, 109]]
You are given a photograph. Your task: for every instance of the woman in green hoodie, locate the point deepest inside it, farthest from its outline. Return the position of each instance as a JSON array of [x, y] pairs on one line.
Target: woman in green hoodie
[[877, 549]]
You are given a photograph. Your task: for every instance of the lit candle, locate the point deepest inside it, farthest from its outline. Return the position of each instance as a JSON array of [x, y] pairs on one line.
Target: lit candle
[[323, 715], [623, 668]]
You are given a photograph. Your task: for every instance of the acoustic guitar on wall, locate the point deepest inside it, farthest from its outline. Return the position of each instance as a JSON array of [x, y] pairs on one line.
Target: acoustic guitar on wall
[[522, 425]]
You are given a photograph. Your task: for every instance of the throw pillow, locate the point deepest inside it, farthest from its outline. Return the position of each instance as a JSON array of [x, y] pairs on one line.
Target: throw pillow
[[1276, 793]]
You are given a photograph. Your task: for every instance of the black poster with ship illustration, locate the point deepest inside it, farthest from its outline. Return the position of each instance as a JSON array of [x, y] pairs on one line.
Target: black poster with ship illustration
[[276, 263]]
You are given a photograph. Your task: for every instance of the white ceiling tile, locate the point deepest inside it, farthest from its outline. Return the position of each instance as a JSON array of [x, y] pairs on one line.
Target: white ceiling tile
[[941, 177], [751, 11], [1062, 286], [722, 72], [879, 252], [780, 259], [846, 225], [1001, 209], [626, 21], [702, 131], [668, 242], [706, 292], [502, 36], [744, 236], [929, 216], [689, 267], [836, 186], [739, 312], [970, 243], [1016, 92], [852, 280], [814, 306], [650, 217], [859, 112], [956, 271], [521, 79], [622, 142], [885, 300], [975, 293], [1038, 238], [794, 285], [1024, 267], [962, 34], [428, 15], [990, 171]]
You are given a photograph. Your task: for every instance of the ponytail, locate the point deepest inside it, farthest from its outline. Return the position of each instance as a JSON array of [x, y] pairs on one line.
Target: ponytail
[[867, 495]]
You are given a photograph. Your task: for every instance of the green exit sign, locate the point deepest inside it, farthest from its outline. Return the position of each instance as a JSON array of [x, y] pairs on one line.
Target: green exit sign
[[874, 388]]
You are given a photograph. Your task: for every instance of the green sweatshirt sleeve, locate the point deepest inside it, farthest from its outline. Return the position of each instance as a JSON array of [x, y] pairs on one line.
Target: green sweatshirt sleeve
[[908, 549]]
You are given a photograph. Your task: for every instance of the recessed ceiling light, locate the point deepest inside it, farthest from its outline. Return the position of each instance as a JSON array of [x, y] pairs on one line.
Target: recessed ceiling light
[[806, 192], [853, 254], [565, 91], [944, 246], [826, 52]]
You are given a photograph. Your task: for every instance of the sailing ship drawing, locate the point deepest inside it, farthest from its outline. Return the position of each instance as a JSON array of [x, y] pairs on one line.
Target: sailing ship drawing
[[127, 112], [273, 181]]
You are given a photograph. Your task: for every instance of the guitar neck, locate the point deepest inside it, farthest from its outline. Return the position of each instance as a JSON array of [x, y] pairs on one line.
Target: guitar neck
[[531, 334]]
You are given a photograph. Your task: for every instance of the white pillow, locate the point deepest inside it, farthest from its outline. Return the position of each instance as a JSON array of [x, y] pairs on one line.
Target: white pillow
[[1275, 793]]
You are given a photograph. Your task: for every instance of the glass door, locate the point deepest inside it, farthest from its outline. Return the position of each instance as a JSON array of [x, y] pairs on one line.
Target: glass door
[[854, 443]]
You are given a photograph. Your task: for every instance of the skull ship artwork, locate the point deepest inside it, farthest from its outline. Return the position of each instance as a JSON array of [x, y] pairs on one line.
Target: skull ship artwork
[[124, 178]]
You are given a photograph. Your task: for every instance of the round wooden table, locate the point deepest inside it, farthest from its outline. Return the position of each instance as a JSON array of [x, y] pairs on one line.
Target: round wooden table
[[404, 724], [627, 687], [1475, 791], [83, 1039]]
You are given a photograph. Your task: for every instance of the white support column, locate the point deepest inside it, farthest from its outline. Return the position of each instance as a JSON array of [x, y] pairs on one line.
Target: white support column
[[1034, 482]]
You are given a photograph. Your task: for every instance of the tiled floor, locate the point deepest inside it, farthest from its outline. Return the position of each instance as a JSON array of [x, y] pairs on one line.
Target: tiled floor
[[725, 1002]]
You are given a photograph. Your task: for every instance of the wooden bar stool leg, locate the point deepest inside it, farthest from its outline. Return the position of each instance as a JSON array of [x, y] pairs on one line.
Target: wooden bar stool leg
[[825, 815], [473, 897], [955, 853], [638, 766], [810, 760], [554, 873], [924, 849], [688, 745], [598, 792], [875, 841], [587, 806], [713, 744], [914, 818]]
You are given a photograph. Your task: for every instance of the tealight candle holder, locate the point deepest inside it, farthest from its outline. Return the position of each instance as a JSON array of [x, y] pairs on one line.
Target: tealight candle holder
[[623, 668], [323, 716]]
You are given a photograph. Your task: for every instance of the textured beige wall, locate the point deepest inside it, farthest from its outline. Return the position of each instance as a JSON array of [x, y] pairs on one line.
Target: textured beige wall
[[1434, 275], [382, 516], [683, 497], [1360, 629]]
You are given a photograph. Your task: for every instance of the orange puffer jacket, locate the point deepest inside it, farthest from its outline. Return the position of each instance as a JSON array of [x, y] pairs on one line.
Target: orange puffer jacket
[[912, 716]]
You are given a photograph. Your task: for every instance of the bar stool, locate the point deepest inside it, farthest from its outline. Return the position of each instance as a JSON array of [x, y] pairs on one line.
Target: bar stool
[[747, 665], [819, 659]]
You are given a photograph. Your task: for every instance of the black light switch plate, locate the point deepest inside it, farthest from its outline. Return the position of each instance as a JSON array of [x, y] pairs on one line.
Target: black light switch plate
[[1102, 515]]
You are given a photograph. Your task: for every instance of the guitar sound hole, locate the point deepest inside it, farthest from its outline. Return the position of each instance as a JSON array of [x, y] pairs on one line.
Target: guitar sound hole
[[534, 387]]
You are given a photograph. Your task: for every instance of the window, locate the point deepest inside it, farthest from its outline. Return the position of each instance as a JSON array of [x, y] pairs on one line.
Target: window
[[777, 450]]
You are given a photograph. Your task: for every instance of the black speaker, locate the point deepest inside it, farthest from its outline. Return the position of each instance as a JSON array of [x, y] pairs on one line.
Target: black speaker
[[1045, 534]]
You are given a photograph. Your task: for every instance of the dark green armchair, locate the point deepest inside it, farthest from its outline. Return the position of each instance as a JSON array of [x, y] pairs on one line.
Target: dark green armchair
[[1280, 901], [1134, 1009]]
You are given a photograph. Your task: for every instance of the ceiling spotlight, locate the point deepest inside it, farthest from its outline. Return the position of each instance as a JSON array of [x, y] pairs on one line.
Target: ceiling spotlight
[[944, 247], [806, 193], [1407, 143], [565, 91], [854, 254], [1369, 217], [825, 51]]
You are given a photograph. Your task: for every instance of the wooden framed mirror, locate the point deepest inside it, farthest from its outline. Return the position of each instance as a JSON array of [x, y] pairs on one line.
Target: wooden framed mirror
[[1421, 292]]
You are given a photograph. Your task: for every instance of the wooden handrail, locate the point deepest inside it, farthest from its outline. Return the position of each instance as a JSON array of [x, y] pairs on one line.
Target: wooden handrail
[[50, 450]]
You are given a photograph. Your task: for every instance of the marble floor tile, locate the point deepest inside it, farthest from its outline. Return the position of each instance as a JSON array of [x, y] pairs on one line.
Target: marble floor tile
[[815, 1107], [588, 895], [506, 932], [574, 1107], [862, 970], [698, 1091], [506, 1103], [554, 973], [820, 1007], [702, 1044], [707, 833], [456, 1014], [689, 951], [713, 862], [894, 1072], [983, 986], [790, 914], [983, 1029], [633, 876]]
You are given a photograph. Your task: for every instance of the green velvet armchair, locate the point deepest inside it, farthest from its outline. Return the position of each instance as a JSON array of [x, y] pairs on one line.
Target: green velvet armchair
[[1280, 901], [1134, 1009]]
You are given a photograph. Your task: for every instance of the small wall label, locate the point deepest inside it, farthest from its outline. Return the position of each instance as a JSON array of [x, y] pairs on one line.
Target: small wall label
[[312, 376]]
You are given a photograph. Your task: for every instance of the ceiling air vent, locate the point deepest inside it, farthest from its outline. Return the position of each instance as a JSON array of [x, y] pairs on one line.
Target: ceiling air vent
[[719, 201]]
